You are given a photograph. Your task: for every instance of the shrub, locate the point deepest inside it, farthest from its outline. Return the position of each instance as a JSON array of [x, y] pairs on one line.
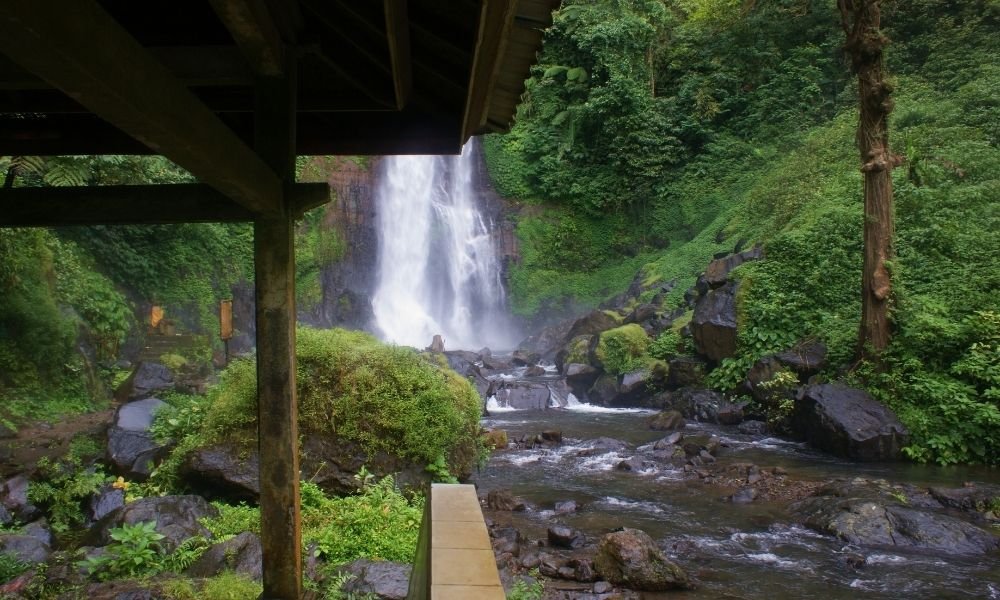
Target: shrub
[[377, 523], [135, 551], [66, 484], [622, 349]]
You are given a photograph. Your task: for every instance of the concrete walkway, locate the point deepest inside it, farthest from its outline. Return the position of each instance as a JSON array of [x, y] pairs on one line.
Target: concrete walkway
[[462, 565]]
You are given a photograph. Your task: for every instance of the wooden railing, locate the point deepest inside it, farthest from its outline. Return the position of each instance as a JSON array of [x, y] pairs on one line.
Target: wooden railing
[[454, 557]]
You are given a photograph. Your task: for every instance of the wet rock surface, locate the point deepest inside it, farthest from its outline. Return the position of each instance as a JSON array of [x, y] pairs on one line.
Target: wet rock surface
[[630, 558], [848, 422]]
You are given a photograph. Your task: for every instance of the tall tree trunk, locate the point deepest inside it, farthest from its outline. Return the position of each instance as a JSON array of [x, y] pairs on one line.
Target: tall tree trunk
[[865, 44]]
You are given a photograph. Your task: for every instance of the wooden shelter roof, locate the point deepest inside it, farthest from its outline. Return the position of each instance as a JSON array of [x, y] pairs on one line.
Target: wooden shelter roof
[[373, 77]]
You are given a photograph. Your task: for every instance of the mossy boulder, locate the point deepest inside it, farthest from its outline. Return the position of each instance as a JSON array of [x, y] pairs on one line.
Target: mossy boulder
[[622, 349], [355, 391]]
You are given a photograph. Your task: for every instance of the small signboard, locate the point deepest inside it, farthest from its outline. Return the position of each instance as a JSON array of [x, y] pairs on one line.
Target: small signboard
[[226, 320]]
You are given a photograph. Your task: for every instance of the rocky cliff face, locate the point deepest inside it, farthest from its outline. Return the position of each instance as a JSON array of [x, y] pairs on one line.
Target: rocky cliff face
[[347, 284]]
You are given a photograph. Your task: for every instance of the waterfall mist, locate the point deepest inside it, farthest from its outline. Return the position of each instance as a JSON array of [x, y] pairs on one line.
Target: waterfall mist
[[437, 267]]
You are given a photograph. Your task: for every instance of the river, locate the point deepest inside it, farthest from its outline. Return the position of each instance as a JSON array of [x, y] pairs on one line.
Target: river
[[734, 551]]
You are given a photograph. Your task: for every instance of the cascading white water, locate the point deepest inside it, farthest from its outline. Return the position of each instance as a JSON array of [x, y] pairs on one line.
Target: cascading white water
[[437, 267]]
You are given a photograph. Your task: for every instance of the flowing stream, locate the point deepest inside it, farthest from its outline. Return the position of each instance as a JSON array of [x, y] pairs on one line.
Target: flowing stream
[[738, 551], [437, 267]]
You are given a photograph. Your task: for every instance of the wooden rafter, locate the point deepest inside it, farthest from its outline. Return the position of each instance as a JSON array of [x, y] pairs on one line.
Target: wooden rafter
[[251, 26], [398, 34], [495, 22], [123, 84]]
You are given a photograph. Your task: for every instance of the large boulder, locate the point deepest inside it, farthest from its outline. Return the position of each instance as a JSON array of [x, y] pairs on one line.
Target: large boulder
[[629, 558], [523, 395], [666, 420], [592, 323], [132, 451], [241, 554], [859, 515], [224, 470], [706, 406], [848, 422], [147, 380], [14, 497], [176, 518], [383, 579], [717, 272], [578, 349], [604, 391], [713, 325], [580, 377], [25, 548]]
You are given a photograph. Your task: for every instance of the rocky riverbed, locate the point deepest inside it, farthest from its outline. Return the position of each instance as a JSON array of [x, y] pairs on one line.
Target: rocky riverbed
[[735, 512]]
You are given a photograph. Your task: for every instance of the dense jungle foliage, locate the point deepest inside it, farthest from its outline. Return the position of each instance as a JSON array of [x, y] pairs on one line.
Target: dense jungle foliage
[[72, 298], [656, 133]]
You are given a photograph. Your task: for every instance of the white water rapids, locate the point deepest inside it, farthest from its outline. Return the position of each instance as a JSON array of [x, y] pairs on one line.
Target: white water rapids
[[437, 267]]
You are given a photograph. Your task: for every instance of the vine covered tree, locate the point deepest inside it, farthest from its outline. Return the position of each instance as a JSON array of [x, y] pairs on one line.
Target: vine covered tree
[[865, 45]]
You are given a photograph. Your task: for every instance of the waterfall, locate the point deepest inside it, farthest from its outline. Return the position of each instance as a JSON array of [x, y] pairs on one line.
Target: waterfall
[[437, 268]]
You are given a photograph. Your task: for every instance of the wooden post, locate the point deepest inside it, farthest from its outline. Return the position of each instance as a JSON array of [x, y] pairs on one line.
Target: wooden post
[[277, 404]]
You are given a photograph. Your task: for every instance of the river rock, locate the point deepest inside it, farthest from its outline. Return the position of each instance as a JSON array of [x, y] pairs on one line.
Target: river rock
[[494, 363], [752, 428], [848, 422], [560, 536], [566, 507], [580, 378], [39, 530], [666, 420], [634, 387], [707, 406], [241, 554], [176, 518], [713, 325], [686, 371], [717, 272], [25, 548], [630, 558], [14, 497], [148, 379], [225, 470], [523, 395], [504, 500], [592, 323], [132, 451], [104, 502], [384, 579], [495, 438], [604, 391], [806, 358], [971, 497], [523, 358], [869, 521], [601, 445]]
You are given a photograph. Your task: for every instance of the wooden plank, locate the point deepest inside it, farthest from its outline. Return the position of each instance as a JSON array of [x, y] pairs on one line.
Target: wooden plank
[[123, 84], [397, 30], [277, 403], [496, 19], [251, 26], [135, 204]]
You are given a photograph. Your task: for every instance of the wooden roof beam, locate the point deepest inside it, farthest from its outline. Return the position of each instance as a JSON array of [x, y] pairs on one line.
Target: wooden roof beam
[[397, 31], [253, 30], [491, 43], [136, 204], [119, 81]]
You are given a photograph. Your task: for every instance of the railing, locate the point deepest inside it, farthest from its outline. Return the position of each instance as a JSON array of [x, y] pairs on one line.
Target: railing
[[454, 557]]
